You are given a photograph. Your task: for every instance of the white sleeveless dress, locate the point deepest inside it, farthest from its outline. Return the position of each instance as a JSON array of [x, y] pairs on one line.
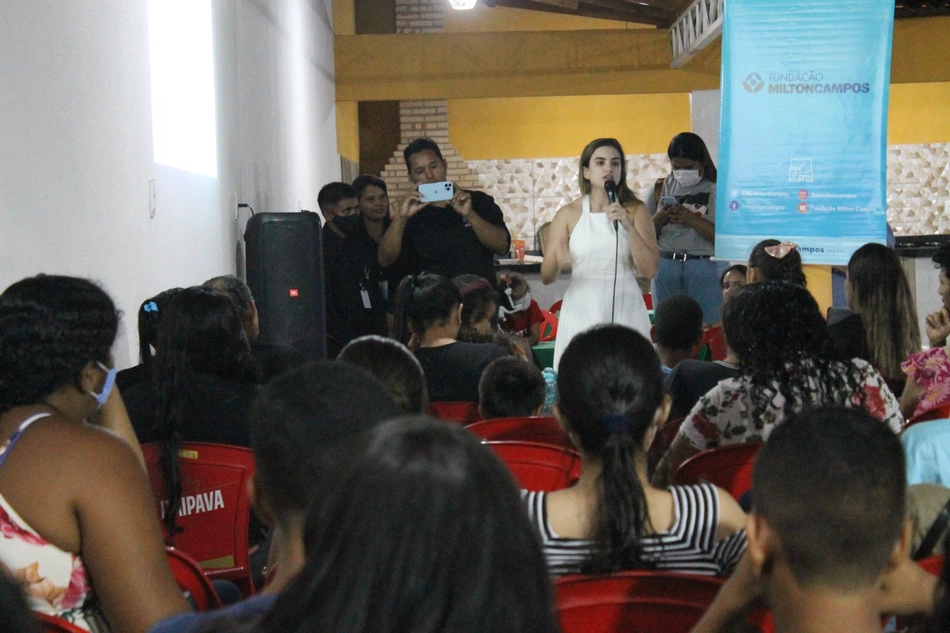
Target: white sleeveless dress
[[587, 301]]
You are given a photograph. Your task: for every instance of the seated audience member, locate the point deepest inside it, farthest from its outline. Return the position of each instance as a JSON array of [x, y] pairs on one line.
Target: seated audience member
[[883, 329], [76, 513], [521, 314], [425, 533], [429, 307], [204, 381], [690, 380], [353, 279], [479, 307], [827, 534], [510, 388], [925, 511], [336, 200], [273, 359], [733, 279], [772, 260], [392, 364], [928, 372], [450, 237], [303, 424], [610, 403], [787, 364], [150, 312], [677, 330], [927, 450]]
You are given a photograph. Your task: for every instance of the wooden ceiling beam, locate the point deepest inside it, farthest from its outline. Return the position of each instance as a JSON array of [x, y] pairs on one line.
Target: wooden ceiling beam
[[584, 9]]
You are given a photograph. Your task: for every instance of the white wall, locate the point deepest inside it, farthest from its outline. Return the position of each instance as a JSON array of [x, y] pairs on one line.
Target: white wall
[[76, 139], [704, 106]]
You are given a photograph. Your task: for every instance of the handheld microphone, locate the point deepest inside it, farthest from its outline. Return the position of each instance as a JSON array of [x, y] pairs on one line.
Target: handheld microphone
[[611, 187]]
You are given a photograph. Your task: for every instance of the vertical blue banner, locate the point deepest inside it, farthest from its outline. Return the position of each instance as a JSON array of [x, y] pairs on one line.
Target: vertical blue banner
[[802, 146]]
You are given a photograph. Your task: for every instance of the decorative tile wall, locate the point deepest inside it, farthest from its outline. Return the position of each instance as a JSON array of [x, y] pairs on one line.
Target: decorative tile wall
[[918, 188]]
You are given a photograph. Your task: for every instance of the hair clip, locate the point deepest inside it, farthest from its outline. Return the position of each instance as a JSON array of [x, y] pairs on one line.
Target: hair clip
[[616, 423], [779, 251], [151, 306]]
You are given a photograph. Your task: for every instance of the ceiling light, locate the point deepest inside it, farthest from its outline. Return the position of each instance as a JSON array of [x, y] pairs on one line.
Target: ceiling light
[[463, 5]]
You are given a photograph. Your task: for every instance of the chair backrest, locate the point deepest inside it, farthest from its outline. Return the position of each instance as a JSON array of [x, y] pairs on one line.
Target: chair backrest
[[555, 308], [215, 507], [939, 413], [539, 466], [52, 624], [636, 601], [192, 580], [648, 300], [662, 442], [543, 430], [548, 326], [728, 467], [461, 412], [933, 564]]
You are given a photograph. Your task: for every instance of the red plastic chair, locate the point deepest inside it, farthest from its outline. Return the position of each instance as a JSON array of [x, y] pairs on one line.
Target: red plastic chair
[[461, 412], [728, 467], [555, 308], [637, 601], [215, 507], [52, 624], [538, 429], [713, 345], [939, 413], [933, 564], [192, 580], [539, 466], [548, 326], [662, 442], [648, 300]]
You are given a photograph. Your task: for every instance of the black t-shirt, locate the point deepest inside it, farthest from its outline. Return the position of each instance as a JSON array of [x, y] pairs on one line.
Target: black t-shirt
[[439, 240], [692, 379], [452, 371], [214, 409]]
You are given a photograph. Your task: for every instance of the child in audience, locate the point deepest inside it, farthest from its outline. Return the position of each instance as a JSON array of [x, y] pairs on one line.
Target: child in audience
[[520, 314], [76, 513], [733, 280], [772, 260], [429, 307], [510, 388], [610, 402], [150, 313], [302, 425], [479, 306], [426, 533], [677, 330], [787, 364], [394, 365], [827, 536]]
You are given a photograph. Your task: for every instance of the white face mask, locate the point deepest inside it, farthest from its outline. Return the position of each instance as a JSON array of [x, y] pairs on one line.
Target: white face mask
[[687, 177]]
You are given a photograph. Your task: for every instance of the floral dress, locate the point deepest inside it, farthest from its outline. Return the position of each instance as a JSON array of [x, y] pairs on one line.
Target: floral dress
[[724, 415], [931, 370], [55, 581]]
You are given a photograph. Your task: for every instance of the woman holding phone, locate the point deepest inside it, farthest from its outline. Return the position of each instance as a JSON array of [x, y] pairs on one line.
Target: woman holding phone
[[604, 241], [684, 219]]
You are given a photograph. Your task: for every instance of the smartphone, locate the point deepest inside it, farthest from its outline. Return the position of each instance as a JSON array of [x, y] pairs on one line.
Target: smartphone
[[437, 191], [668, 201]]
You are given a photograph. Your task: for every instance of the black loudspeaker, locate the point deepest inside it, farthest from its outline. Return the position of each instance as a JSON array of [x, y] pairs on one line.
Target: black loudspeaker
[[285, 273]]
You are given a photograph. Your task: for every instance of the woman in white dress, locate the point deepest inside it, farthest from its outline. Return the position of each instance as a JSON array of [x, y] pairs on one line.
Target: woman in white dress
[[603, 261]]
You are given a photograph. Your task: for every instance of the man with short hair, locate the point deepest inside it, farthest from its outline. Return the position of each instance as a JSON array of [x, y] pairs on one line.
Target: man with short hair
[[450, 237], [827, 537], [303, 428], [337, 200], [510, 388], [677, 331]]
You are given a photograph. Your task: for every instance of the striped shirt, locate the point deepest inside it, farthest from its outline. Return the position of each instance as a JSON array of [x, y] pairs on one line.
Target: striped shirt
[[688, 547]]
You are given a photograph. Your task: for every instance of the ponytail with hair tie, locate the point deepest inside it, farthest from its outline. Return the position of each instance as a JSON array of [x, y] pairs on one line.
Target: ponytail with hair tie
[[615, 424]]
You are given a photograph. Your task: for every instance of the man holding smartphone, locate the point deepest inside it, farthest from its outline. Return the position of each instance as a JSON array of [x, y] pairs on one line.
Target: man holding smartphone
[[443, 229]]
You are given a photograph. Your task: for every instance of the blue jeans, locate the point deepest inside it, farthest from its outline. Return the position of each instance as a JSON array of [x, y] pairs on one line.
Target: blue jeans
[[697, 278]]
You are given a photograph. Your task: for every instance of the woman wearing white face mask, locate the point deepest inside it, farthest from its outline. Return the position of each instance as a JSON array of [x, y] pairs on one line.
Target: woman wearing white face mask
[[684, 219]]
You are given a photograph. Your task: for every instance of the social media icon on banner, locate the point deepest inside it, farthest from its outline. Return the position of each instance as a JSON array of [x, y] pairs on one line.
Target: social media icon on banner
[[803, 194], [803, 208], [734, 205]]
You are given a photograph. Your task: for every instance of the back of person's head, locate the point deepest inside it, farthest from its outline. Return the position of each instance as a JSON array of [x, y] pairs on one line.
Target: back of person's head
[[510, 388], [423, 301], [777, 261], [941, 258], [394, 365], [51, 327], [150, 314], [361, 182], [302, 426], [426, 533], [479, 302], [610, 399], [830, 483], [420, 145], [241, 295], [334, 192], [201, 333], [679, 323], [878, 290], [691, 146]]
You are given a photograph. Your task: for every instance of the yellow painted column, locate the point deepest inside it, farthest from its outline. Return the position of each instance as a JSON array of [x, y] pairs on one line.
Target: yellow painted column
[[819, 285]]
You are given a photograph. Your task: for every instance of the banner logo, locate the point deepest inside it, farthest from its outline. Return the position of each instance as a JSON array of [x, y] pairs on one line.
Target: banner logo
[[753, 83]]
